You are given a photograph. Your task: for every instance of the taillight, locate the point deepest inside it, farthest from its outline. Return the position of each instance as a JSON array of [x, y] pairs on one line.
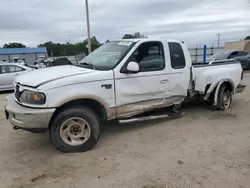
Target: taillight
[[242, 75]]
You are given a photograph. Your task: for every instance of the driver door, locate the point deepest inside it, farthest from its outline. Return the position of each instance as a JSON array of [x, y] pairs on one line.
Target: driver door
[[146, 89]]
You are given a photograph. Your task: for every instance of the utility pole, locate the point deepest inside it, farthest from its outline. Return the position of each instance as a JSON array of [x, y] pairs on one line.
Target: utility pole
[[69, 34], [218, 34], [88, 26]]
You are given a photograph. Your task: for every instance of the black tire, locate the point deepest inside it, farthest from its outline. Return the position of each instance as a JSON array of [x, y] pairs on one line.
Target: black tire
[[81, 112], [176, 108], [221, 104]]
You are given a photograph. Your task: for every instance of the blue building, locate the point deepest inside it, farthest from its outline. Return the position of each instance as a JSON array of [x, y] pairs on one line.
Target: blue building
[[30, 55]]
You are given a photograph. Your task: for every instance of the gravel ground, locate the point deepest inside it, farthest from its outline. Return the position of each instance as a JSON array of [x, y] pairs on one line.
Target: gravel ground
[[204, 148]]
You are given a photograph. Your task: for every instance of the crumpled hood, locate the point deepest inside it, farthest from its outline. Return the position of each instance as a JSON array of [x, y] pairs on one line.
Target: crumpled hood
[[46, 75]]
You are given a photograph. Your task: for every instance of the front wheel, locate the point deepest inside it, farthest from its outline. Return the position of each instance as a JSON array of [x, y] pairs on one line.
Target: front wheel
[[176, 108], [224, 98], [75, 130]]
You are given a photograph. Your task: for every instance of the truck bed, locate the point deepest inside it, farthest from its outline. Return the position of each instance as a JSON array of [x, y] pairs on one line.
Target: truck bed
[[204, 74], [214, 63]]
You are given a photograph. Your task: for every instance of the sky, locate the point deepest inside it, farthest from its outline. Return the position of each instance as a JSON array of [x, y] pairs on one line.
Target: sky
[[33, 22]]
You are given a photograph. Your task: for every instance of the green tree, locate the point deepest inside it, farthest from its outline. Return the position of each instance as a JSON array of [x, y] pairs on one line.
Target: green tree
[[134, 36], [80, 47], [95, 43], [53, 49], [247, 38], [14, 45], [128, 36], [68, 49]]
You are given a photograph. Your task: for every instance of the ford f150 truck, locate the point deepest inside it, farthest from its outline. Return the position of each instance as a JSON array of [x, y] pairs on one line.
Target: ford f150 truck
[[121, 80]]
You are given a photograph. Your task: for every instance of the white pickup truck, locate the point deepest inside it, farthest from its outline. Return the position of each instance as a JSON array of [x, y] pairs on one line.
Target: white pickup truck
[[121, 80]]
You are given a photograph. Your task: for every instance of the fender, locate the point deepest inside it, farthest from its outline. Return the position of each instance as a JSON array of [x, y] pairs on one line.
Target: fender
[[111, 112], [219, 86]]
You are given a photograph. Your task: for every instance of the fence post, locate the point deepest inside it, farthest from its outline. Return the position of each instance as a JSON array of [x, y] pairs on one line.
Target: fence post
[[196, 53], [204, 53], [76, 60]]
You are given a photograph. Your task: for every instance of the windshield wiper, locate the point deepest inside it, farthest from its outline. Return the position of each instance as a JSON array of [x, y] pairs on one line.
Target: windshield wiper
[[89, 65]]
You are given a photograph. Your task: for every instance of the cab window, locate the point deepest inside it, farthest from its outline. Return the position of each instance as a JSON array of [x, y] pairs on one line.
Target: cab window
[[177, 55], [149, 56]]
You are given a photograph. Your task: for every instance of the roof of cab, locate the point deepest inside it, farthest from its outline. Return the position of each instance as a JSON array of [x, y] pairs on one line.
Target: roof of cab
[[150, 39]]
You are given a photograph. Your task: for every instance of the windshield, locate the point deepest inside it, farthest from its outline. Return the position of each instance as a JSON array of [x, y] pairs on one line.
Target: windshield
[[107, 56], [220, 55]]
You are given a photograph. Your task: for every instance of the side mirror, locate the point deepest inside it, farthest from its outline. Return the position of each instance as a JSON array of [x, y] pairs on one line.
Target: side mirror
[[133, 67]]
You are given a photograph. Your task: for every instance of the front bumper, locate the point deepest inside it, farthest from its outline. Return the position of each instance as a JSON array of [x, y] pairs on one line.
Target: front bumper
[[29, 119], [240, 88]]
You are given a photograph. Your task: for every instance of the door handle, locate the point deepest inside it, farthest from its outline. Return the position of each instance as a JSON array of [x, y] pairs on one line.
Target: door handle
[[164, 81], [107, 86]]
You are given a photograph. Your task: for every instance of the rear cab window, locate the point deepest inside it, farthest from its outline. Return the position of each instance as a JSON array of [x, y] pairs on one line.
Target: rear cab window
[[177, 56]]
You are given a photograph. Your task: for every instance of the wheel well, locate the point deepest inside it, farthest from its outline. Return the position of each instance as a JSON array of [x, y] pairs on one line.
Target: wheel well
[[94, 105], [228, 85]]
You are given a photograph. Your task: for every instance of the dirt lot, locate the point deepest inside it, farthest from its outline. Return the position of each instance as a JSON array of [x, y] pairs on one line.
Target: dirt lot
[[204, 148]]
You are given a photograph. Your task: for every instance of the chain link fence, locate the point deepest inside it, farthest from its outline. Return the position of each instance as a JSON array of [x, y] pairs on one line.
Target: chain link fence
[[73, 59], [197, 53]]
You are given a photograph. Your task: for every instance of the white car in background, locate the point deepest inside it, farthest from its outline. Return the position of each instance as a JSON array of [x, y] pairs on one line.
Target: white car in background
[[8, 72]]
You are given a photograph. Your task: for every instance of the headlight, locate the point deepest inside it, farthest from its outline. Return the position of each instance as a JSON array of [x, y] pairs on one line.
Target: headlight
[[32, 97]]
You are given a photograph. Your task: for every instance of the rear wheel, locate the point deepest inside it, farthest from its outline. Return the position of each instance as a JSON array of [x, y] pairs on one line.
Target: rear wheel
[[75, 130], [224, 98]]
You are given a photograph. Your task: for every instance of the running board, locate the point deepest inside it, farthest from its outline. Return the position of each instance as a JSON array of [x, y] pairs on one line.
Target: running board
[[146, 118]]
